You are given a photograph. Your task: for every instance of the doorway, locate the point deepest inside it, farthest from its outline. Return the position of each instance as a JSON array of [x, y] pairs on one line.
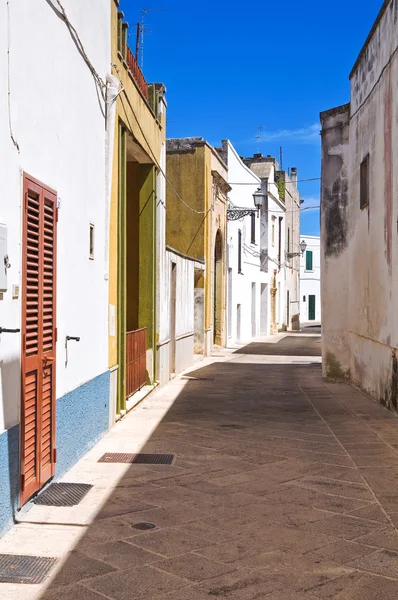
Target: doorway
[[217, 307], [173, 301], [311, 308], [39, 259], [264, 309], [254, 321], [229, 302]]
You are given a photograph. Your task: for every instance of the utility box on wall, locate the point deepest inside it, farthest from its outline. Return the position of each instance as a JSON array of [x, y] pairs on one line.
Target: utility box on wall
[[3, 258]]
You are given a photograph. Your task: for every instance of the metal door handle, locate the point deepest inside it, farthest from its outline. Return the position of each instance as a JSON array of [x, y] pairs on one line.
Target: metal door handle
[[4, 330]]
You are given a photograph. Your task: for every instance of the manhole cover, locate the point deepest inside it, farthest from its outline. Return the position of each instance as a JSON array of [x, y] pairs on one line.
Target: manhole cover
[[144, 526], [63, 494], [15, 568], [137, 459], [233, 426]]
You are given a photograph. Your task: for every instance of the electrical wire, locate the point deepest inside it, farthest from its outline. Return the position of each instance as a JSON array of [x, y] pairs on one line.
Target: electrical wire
[[79, 44], [376, 83], [299, 181], [198, 212], [14, 141]]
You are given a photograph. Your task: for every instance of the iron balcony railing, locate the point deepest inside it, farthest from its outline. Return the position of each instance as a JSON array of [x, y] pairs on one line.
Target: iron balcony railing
[[136, 73]]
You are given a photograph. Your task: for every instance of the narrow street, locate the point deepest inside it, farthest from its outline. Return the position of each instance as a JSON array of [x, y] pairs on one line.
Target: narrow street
[[283, 487]]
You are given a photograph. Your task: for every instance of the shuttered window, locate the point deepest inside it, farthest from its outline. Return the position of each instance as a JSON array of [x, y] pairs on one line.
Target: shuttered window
[[364, 183], [308, 260], [239, 251], [253, 228]]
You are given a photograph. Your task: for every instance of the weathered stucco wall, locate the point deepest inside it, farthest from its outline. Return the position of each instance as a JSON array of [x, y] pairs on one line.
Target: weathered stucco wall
[[360, 244], [334, 259], [185, 230]]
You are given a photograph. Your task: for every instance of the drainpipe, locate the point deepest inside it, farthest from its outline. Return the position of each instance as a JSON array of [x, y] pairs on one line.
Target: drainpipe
[[112, 90]]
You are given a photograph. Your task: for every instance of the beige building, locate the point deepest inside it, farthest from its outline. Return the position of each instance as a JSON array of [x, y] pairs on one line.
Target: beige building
[[359, 211], [196, 228]]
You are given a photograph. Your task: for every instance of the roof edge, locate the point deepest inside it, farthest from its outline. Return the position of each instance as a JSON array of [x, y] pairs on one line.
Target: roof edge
[[370, 35], [337, 110]]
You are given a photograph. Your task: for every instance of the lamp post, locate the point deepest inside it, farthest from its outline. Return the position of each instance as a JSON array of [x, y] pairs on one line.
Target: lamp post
[[235, 213], [303, 247]]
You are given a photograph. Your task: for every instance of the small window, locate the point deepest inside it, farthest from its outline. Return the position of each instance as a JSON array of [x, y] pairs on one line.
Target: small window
[[253, 228], [239, 251], [308, 260], [91, 241], [273, 233], [303, 298], [288, 239], [364, 183]]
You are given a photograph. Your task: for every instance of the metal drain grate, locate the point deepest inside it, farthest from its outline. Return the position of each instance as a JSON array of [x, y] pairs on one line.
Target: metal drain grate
[[15, 568], [63, 494], [137, 459]]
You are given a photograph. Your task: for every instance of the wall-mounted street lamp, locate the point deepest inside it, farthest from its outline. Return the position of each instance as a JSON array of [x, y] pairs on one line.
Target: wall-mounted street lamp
[[303, 247], [233, 214]]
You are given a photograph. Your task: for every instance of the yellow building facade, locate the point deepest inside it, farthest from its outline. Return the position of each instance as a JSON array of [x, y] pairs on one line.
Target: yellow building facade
[[139, 140], [196, 224]]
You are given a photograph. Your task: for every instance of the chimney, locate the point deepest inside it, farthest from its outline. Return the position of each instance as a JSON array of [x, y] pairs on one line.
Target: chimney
[[258, 155], [293, 175]]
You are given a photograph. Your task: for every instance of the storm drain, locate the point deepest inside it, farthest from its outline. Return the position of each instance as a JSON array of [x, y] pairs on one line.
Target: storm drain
[[137, 459], [144, 526], [15, 568], [63, 494]]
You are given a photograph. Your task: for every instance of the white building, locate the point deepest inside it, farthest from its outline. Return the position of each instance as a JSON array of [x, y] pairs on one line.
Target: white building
[[256, 251], [53, 140], [279, 241], [310, 282], [359, 213]]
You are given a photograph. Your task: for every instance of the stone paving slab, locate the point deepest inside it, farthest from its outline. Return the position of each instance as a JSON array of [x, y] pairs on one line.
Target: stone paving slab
[[284, 488]]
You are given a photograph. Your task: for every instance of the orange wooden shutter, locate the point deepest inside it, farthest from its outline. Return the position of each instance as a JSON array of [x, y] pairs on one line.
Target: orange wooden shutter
[[38, 337]]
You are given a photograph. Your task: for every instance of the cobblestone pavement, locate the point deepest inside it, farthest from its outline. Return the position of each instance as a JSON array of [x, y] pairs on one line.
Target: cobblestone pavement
[[284, 488]]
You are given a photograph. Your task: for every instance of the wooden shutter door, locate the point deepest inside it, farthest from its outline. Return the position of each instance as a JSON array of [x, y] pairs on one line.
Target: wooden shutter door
[[311, 308], [38, 337]]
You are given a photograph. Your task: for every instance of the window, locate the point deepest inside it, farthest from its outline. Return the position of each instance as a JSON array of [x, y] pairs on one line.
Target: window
[[308, 260], [288, 239], [273, 231], [239, 251], [364, 183], [91, 241], [303, 298], [253, 228]]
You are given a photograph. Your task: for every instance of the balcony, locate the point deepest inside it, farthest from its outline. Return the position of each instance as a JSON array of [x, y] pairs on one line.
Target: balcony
[[136, 73], [128, 57]]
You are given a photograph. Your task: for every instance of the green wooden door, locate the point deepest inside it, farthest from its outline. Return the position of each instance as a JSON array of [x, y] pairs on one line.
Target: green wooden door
[[311, 308]]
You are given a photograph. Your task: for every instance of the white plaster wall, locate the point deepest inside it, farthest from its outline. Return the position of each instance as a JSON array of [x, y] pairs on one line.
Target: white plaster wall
[[292, 265], [275, 211], [58, 123], [373, 249], [162, 275], [310, 281], [244, 183], [185, 270]]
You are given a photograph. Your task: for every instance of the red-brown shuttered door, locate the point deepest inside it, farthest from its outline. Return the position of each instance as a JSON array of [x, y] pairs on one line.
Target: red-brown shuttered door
[[38, 337]]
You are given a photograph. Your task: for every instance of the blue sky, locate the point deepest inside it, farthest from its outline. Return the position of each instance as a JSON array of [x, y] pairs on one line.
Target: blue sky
[[230, 67]]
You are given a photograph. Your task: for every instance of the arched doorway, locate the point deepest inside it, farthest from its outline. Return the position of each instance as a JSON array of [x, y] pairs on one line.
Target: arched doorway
[[217, 305]]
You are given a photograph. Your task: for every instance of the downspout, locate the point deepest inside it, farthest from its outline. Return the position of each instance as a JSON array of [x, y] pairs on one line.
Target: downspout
[[112, 90]]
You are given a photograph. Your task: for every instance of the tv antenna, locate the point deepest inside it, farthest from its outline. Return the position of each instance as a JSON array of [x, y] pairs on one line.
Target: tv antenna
[[144, 12], [258, 137]]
